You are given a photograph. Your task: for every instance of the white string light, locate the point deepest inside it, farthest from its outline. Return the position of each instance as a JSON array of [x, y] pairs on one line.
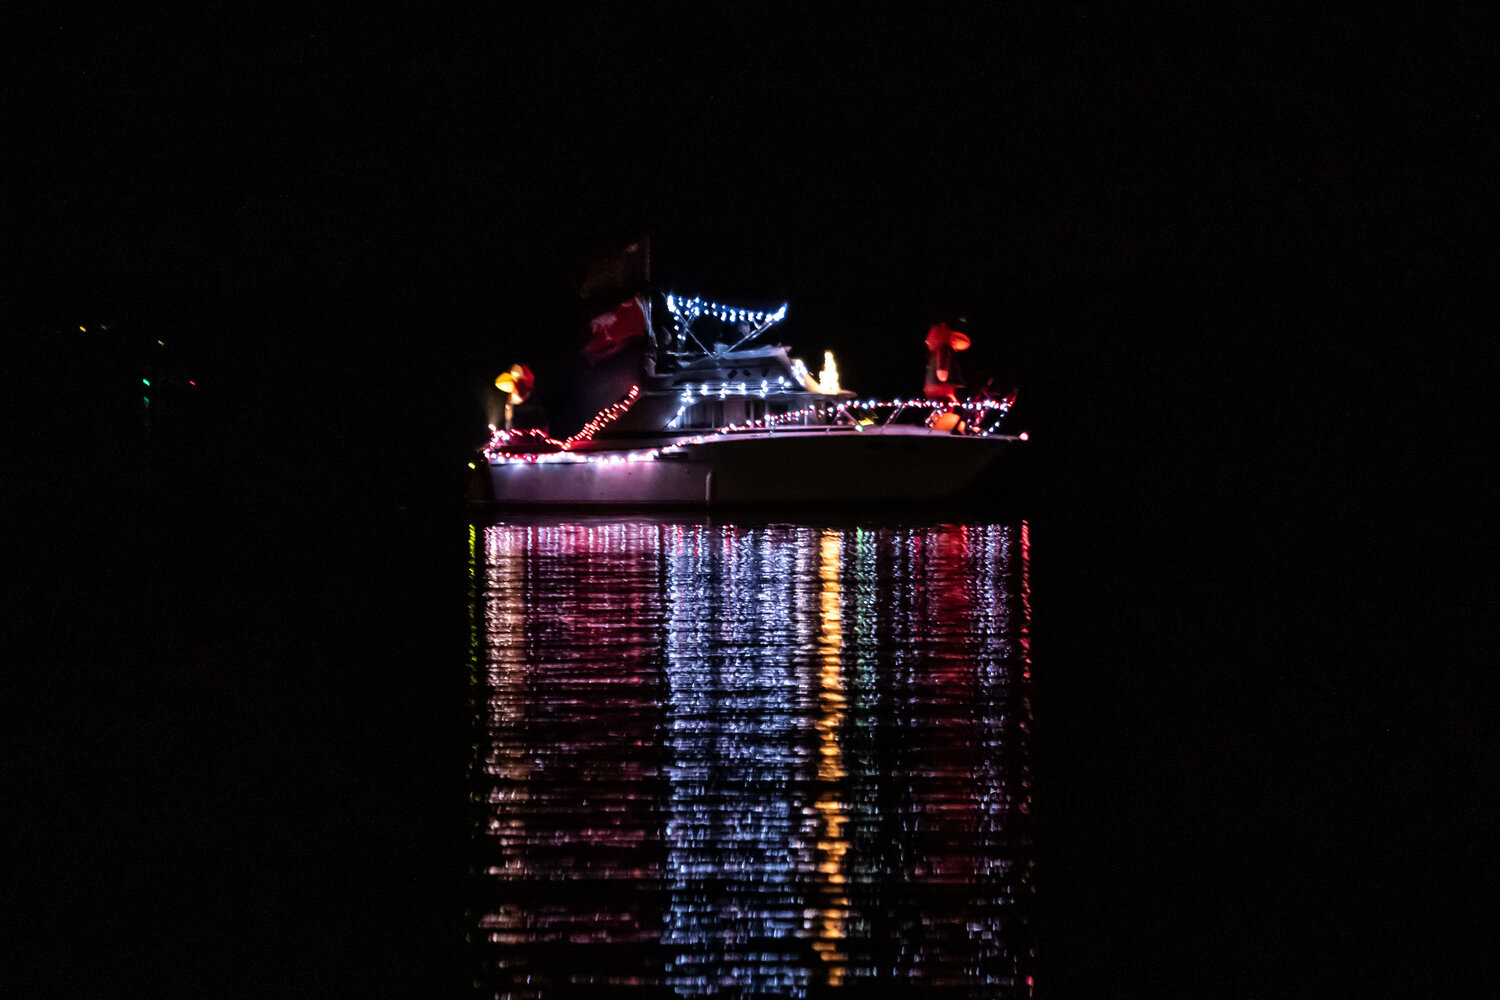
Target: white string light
[[497, 454], [688, 310]]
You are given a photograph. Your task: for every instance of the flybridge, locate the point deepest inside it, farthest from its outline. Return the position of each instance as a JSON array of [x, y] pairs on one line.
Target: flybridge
[[690, 309], [747, 324]]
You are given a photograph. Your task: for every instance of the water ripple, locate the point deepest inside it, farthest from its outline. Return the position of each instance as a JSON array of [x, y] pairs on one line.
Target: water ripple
[[762, 759]]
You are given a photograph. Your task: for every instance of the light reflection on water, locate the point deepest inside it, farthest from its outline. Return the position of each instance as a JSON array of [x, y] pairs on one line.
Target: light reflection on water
[[771, 758]]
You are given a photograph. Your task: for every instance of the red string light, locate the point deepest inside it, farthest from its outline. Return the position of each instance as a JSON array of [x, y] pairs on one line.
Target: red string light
[[507, 446], [602, 419], [517, 444]]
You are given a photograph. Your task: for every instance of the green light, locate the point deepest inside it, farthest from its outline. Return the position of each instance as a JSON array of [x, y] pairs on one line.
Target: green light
[[146, 400], [145, 381]]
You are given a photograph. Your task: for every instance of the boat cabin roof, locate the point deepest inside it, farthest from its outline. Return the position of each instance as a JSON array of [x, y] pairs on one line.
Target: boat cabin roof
[[747, 365]]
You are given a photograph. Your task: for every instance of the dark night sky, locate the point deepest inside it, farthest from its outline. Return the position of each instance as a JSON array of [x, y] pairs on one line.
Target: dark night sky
[[1235, 258], [387, 209], [372, 194]]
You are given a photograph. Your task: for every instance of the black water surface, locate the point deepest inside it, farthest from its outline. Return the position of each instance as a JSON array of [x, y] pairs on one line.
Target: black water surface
[[247, 728], [760, 757], [249, 720]]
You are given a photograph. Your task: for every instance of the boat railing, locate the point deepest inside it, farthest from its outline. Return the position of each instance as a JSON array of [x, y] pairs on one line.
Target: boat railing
[[974, 417]]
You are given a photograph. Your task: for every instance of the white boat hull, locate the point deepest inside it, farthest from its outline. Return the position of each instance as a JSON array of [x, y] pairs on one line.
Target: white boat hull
[[888, 465]]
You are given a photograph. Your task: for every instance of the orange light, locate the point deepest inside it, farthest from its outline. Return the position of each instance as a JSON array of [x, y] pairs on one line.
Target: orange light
[[516, 383]]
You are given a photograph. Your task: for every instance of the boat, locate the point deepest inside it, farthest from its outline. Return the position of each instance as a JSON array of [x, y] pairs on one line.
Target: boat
[[715, 416]]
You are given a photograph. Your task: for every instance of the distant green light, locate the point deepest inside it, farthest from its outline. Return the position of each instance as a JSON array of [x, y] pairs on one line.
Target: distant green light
[[146, 400], [145, 381]]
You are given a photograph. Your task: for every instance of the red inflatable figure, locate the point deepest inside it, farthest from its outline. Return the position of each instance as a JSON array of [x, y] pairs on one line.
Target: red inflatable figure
[[943, 378]]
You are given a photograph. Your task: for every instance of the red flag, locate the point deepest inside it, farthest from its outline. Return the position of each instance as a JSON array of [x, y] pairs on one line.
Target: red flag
[[610, 332]]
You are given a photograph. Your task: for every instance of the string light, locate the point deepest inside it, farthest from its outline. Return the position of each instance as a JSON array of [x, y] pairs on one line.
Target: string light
[[739, 387], [572, 458], [602, 419], [823, 409], [505, 444], [688, 310], [501, 451]]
